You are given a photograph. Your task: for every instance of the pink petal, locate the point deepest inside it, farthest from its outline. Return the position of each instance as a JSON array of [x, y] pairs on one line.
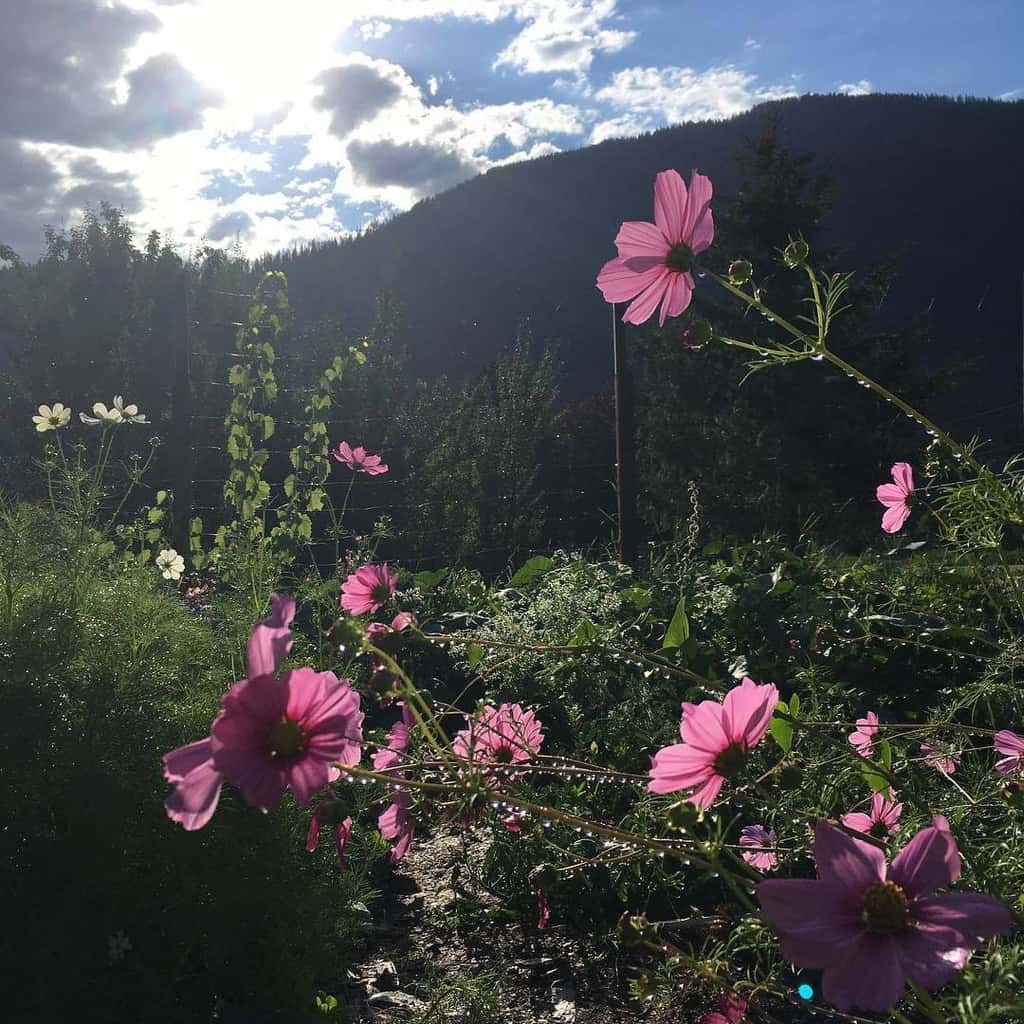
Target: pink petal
[[703, 727], [341, 833], [1007, 742], [890, 494], [703, 233], [641, 238], [870, 976], [904, 477], [620, 283], [178, 763], [747, 711], [698, 198], [816, 921], [858, 821], [677, 296], [931, 956], [678, 767], [271, 639], [195, 796], [895, 517], [641, 309], [928, 862], [707, 792], [670, 204], [971, 915], [852, 863]]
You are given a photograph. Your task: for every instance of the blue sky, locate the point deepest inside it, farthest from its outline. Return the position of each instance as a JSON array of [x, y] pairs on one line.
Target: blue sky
[[270, 124]]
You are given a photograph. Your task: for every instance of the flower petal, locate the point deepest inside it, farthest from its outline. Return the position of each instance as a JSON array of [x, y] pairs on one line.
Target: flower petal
[[814, 919], [643, 306], [747, 711], [271, 639], [870, 976], [904, 477], [928, 862], [670, 204], [641, 238], [677, 296], [895, 517], [851, 862]]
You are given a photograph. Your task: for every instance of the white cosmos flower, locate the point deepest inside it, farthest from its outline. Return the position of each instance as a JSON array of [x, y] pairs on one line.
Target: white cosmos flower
[[51, 418], [129, 413], [104, 415], [171, 564]]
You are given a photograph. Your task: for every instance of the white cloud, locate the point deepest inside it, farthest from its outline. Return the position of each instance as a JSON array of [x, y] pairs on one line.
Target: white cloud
[[374, 29], [563, 36], [433, 85], [752, 44], [649, 97], [861, 88], [1013, 94]]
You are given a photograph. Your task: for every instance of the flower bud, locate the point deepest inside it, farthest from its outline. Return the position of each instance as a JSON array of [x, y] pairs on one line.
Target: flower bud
[[740, 271], [696, 334], [682, 815], [795, 253], [790, 774]]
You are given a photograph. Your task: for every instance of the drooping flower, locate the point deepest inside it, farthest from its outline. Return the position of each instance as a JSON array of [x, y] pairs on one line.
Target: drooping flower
[[897, 497], [654, 264], [129, 413], [716, 741], [328, 812], [507, 734], [397, 824], [358, 460], [398, 742], [367, 589], [272, 733], [940, 760], [863, 737], [870, 927], [102, 415], [732, 1009], [1012, 745], [759, 847], [52, 418], [883, 819], [170, 564]]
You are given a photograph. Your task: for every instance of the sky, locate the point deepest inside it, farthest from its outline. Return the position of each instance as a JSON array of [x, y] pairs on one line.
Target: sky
[[272, 122]]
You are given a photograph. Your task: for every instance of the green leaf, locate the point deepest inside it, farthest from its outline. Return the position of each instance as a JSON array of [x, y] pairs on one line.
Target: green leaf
[[289, 485], [637, 597], [781, 730], [316, 500], [586, 633], [155, 515], [474, 652], [794, 705], [268, 427], [678, 631], [429, 578], [161, 497], [782, 588], [879, 783], [530, 569]]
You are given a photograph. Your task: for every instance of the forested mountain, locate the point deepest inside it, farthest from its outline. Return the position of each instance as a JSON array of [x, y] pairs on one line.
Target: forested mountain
[[930, 183]]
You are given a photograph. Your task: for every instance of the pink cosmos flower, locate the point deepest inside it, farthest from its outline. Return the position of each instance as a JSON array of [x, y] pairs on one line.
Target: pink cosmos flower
[[716, 741], [940, 760], [327, 812], [398, 742], [863, 736], [883, 819], [508, 734], [871, 927], [732, 1009], [1012, 745], [759, 847], [396, 823], [654, 262], [358, 461], [191, 768], [272, 733], [370, 587], [897, 497]]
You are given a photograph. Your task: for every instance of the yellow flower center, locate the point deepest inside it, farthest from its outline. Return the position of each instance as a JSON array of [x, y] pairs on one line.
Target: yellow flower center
[[884, 909], [286, 738]]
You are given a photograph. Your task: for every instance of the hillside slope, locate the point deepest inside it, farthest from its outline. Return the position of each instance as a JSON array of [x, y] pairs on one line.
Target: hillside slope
[[933, 181]]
